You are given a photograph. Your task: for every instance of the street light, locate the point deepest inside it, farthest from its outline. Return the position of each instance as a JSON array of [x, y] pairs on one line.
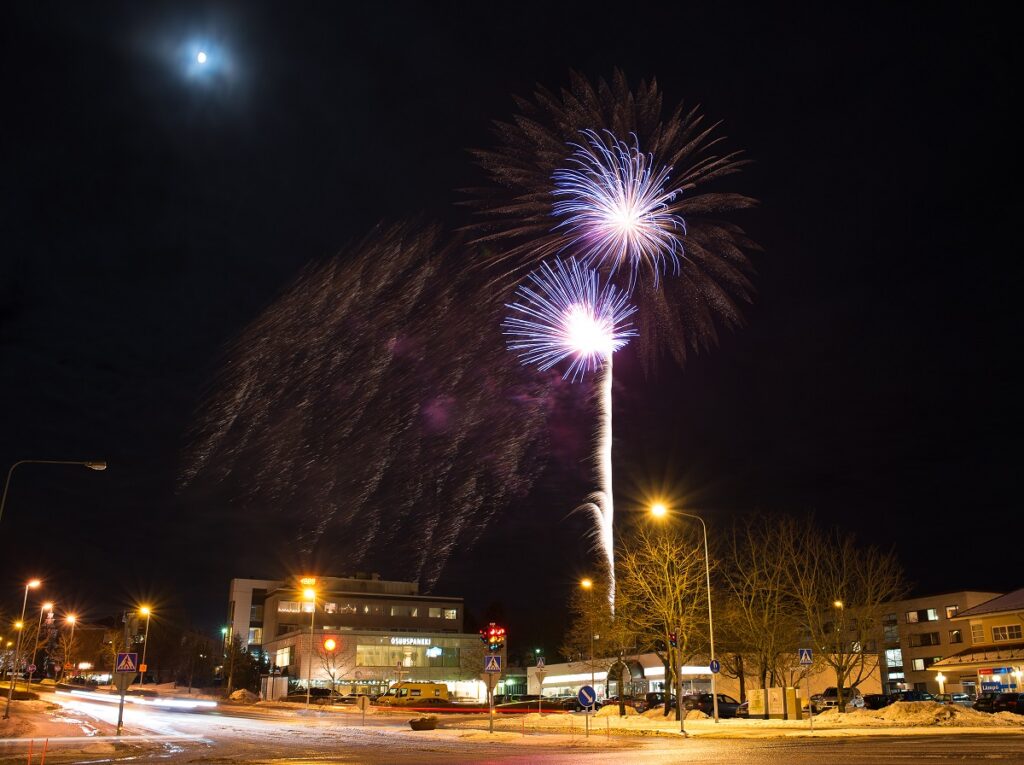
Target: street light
[[588, 585], [659, 510], [30, 585], [39, 630], [309, 594], [72, 620], [941, 679], [91, 464], [145, 611]]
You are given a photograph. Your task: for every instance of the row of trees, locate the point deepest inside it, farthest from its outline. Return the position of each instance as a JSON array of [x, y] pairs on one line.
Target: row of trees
[[778, 584]]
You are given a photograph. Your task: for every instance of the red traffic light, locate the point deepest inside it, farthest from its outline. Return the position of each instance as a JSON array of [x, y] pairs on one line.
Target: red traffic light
[[493, 637]]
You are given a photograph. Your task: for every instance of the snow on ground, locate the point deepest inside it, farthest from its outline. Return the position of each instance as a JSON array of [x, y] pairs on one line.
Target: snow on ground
[[923, 713], [612, 710]]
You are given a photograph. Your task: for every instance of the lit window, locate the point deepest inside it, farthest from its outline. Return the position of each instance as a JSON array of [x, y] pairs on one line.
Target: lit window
[[952, 611], [451, 613], [414, 611], [932, 615], [1007, 632], [348, 608], [330, 608], [918, 665], [288, 607], [956, 636], [255, 635], [977, 633], [434, 613], [283, 657], [399, 611], [911, 617], [894, 658]]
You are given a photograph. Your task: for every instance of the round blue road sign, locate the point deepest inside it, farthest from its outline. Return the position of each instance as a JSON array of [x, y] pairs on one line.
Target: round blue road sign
[[716, 666], [586, 696]]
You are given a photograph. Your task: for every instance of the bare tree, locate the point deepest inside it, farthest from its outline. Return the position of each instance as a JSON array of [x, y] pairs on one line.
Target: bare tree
[[761, 618], [338, 663], [662, 595], [840, 590]]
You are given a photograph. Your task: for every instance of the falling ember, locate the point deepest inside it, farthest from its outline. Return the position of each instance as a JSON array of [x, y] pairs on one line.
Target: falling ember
[[565, 312], [613, 202]]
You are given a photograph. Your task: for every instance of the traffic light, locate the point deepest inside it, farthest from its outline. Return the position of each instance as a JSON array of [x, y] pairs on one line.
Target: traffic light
[[672, 639], [493, 638]]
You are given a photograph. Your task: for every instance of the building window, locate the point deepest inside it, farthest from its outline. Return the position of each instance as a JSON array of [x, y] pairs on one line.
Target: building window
[[348, 608], [952, 611], [434, 613], [288, 607], [414, 611], [1006, 632], [917, 665], [330, 608], [956, 636], [894, 659], [399, 611], [256, 613], [977, 633], [283, 657], [920, 665], [924, 638], [308, 608], [922, 615], [255, 636], [923, 687], [890, 629], [451, 613]]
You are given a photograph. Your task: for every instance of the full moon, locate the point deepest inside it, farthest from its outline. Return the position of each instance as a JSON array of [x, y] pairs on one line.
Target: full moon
[[201, 57]]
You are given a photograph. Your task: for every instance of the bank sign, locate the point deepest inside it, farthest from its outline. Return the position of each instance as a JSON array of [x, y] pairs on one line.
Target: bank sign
[[410, 641]]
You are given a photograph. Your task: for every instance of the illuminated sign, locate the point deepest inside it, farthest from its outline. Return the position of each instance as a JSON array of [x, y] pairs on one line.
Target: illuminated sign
[[410, 641], [307, 581], [433, 652]]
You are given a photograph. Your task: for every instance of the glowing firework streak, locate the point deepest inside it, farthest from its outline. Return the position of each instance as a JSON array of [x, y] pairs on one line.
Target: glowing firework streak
[[565, 312], [613, 203]]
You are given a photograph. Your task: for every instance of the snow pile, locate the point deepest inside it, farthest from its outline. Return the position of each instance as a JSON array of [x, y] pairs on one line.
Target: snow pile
[[696, 714], [244, 695], [612, 710], [658, 713], [915, 714]]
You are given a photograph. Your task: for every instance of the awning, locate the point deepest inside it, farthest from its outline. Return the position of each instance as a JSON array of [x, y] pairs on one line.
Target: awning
[[977, 657]]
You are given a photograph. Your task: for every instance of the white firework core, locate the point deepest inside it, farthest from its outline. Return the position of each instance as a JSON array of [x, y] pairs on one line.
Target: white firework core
[[613, 202]]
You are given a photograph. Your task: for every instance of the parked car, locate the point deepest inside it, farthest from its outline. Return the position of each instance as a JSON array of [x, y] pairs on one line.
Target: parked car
[[953, 698], [639, 704], [658, 699], [547, 704], [727, 705], [985, 701], [321, 696], [829, 699], [1009, 702], [743, 710], [876, 701], [911, 696]]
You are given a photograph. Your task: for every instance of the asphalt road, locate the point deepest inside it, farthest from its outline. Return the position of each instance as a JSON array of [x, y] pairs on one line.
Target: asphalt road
[[234, 736]]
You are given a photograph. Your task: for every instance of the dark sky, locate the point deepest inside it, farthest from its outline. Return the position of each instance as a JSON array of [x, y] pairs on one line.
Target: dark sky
[[149, 216]]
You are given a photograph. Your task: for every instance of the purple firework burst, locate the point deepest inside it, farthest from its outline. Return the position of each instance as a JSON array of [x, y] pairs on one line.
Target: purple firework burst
[[564, 311], [613, 202]]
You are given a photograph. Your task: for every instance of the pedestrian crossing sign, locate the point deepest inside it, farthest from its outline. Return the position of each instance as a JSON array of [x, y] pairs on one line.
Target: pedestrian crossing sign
[[127, 662], [492, 663], [805, 657]]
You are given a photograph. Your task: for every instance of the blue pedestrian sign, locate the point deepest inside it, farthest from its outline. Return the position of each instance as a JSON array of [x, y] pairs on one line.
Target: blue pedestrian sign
[[806, 657], [127, 662], [587, 696], [492, 663], [715, 666]]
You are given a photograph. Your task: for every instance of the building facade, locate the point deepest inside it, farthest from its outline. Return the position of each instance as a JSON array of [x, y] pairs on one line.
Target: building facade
[[917, 633], [992, 656], [356, 634]]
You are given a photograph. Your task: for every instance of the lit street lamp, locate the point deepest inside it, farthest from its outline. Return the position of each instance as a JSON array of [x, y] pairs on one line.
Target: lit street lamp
[[309, 594], [91, 464], [145, 611], [39, 631], [71, 619], [941, 679], [659, 510], [588, 585], [30, 585]]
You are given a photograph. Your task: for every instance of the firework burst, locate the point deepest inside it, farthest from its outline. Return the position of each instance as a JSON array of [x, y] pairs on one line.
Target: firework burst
[[612, 200], [563, 312]]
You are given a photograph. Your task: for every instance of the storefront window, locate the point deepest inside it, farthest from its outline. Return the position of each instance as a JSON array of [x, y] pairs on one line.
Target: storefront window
[[438, 652], [288, 607]]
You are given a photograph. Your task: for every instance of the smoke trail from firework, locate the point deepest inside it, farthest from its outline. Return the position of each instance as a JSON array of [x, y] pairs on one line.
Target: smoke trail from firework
[[612, 201], [367, 418], [564, 311]]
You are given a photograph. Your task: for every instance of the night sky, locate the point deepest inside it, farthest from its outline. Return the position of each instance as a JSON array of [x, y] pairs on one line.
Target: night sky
[[150, 215]]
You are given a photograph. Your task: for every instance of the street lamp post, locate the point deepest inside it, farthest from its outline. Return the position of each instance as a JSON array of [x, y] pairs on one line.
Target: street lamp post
[[658, 510], [30, 585], [588, 585], [310, 595], [69, 659], [145, 611], [91, 464], [39, 630]]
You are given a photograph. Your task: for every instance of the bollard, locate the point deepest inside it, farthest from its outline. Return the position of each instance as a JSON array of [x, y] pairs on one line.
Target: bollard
[[608, 726], [30, 742], [46, 745]]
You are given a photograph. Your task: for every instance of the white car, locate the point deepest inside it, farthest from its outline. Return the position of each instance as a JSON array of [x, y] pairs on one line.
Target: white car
[[829, 699]]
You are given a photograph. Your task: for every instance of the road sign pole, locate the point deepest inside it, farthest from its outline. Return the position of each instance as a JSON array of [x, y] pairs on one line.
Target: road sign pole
[[490, 702]]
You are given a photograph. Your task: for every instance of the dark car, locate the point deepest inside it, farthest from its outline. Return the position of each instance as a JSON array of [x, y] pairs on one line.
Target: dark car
[[953, 698], [876, 701], [985, 701], [911, 696], [727, 705], [548, 704], [743, 710], [639, 704], [1009, 702], [657, 699], [322, 696]]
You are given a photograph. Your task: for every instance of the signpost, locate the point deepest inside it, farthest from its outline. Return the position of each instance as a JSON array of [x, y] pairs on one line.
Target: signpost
[[586, 697], [807, 659], [541, 672], [362, 702], [125, 669]]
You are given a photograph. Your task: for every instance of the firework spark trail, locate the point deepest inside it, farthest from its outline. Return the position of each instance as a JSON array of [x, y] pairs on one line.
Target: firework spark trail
[[564, 311], [613, 203], [367, 410]]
